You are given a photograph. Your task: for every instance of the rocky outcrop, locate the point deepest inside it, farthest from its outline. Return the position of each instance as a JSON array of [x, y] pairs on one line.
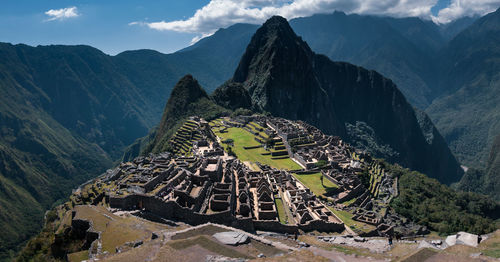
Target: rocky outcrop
[[285, 78], [188, 98]]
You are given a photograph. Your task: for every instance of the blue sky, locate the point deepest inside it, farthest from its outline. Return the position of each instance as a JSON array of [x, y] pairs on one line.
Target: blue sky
[[169, 25]]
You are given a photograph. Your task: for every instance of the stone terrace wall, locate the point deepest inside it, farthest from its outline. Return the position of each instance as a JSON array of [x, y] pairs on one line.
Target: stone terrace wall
[[172, 211], [318, 225]]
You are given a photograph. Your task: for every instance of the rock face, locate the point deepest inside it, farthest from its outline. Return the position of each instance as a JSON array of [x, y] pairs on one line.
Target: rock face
[[462, 238], [285, 78]]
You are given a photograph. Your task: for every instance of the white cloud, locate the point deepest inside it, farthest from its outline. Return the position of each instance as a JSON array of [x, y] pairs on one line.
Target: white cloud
[[63, 13], [461, 8], [199, 37], [137, 23], [223, 13]]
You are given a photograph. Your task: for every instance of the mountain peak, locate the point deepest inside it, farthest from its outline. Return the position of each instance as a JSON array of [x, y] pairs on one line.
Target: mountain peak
[[274, 43], [186, 92], [187, 89], [276, 22], [281, 75]]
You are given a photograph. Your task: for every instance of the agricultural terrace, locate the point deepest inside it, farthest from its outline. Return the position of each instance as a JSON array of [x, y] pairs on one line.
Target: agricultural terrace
[[376, 175], [242, 138], [182, 141]]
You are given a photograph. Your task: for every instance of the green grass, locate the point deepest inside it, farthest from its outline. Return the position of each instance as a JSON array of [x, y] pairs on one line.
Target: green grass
[[281, 210], [493, 252], [346, 217], [313, 182], [349, 202], [243, 138]]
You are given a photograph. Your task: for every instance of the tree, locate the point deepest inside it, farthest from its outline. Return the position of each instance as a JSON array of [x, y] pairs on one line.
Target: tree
[[321, 163]]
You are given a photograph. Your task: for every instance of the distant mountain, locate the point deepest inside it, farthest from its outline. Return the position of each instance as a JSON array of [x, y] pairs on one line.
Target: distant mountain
[[285, 78], [51, 128], [452, 29], [400, 49], [487, 180], [467, 111], [211, 60]]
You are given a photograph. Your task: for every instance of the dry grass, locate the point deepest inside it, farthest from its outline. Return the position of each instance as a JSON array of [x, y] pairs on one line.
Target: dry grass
[[299, 256], [207, 230], [78, 256], [421, 255], [117, 230], [208, 244]]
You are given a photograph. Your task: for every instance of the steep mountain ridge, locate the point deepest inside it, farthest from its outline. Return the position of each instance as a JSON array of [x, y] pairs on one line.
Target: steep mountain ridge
[[41, 160], [67, 112], [486, 180], [188, 98], [400, 49], [285, 78], [467, 112]]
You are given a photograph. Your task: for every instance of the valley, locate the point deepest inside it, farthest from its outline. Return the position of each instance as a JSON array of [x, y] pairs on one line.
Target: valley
[[143, 208]]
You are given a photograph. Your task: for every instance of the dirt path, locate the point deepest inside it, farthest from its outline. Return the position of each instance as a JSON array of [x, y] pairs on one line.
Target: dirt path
[[339, 256]]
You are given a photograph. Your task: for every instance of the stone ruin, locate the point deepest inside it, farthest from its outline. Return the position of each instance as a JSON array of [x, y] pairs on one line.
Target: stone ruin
[[207, 185]]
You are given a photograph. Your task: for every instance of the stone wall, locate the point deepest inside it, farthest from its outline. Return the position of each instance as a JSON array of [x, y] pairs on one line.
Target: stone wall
[[318, 225], [150, 185], [172, 211]]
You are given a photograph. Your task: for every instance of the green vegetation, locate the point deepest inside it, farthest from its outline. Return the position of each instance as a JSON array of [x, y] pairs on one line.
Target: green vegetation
[[78, 256], [182, 141], [346, 217], [376, 173], [441, 208], [486, 180], [321, 163], [187, 99], [40, 162], [243, 138], [313, 182], [281, 210], [349, 202]]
